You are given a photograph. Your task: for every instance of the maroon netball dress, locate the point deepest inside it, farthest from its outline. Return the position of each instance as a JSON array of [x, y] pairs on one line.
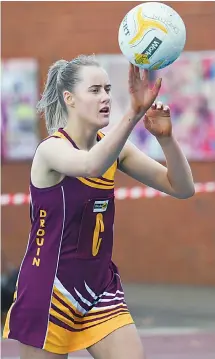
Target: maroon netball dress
[[69, 294]]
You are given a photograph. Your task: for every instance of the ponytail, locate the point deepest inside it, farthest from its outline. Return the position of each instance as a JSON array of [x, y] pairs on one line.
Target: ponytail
[[50, 104]]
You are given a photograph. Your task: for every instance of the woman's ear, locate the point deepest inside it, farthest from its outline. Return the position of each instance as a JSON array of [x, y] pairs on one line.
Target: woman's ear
[[69, 98]]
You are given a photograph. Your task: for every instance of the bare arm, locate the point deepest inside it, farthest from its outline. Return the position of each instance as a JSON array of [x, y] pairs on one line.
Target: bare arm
[[178, 170], [175, 179], [61, 156]]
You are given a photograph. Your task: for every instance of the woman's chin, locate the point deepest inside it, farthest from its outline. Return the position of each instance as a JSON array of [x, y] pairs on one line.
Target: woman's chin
[[104, 121]]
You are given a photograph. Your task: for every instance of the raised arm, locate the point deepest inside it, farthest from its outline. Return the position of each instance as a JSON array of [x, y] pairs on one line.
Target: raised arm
[[175, 179]]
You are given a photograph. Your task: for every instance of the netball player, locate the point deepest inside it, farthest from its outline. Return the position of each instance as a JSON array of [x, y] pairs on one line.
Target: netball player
[[69, 295]]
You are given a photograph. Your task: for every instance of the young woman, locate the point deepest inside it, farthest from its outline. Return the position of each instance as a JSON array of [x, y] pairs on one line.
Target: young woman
[[69, 295]]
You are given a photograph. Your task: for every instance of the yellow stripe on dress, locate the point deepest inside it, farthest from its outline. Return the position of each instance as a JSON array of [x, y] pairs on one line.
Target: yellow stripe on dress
[[95, 185], [58, 134], [67, 301], [94, 312], [61, 341], [110, 173], [96, 315], [101, 183], [85, 325], [6, 330]]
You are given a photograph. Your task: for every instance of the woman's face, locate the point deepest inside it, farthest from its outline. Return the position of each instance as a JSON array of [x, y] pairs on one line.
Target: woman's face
[[91, 100]]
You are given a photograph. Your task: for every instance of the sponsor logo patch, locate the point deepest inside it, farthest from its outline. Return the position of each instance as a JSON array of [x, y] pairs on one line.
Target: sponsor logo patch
[[152, 47], [100, 206]]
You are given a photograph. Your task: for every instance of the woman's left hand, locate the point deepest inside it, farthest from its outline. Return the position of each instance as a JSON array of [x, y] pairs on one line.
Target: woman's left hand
[[157, 120]]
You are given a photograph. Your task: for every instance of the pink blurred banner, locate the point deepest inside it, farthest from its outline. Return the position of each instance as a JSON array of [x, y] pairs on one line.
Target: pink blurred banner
[[19, 95], [188, 87]]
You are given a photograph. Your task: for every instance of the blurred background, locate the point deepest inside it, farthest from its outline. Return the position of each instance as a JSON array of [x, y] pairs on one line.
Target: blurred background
[[164, 248]]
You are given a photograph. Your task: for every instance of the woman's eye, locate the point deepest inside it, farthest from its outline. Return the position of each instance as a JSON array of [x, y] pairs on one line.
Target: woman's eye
[[97, 90]]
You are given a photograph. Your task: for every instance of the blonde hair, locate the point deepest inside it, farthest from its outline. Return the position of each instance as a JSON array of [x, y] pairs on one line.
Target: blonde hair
[[62, 75]]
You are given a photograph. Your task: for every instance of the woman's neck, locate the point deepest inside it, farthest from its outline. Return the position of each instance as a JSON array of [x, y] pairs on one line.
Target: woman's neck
[[84, 137]]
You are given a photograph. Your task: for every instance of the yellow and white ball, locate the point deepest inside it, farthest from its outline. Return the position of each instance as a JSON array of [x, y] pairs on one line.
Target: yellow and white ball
[[152, 35]]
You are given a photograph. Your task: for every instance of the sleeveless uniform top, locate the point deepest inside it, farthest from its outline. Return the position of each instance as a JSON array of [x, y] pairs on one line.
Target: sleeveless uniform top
[[72, 220], [67, 282]]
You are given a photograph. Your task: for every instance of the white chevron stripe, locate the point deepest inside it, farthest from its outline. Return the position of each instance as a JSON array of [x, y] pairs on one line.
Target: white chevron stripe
[[84, 300], [93, 295], [113, 294], [111, 299], [107, 294], [69, 296], [108, 307]]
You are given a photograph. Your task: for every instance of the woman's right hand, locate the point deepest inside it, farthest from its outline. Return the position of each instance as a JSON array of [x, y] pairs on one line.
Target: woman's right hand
[[142, 96]]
